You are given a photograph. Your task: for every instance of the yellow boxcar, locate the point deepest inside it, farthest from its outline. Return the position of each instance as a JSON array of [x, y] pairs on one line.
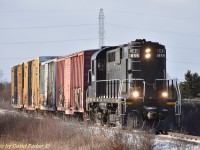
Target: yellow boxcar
[[32, 82], [25, 91], [20, 71], [27, 85], [35, 82]]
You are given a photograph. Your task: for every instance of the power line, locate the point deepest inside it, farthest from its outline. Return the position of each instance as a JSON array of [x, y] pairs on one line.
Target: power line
[[153, 30], [101, 25], [16, 58], [45, 10], [54, 26], [41, 42], [155, 15]]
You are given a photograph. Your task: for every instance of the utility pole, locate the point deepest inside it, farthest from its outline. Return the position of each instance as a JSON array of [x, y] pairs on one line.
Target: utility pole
[[101, 28]]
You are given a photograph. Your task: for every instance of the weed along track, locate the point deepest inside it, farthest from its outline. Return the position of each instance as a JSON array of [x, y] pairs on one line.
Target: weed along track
[[56, 132], [59, 134]]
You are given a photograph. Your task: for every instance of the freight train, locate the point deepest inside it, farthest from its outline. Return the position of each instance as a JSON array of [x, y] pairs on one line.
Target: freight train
[[123, 85]]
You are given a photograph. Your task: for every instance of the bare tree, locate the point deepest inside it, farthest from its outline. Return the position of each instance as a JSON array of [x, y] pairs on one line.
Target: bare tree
[[1, 74]]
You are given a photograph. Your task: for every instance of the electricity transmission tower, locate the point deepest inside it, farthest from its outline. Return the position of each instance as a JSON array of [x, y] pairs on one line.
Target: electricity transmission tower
[[101, 28]]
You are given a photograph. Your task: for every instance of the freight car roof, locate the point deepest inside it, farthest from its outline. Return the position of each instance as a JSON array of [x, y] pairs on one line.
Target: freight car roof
[[41, 58], [51, 60], [45, 58], [83, 51]]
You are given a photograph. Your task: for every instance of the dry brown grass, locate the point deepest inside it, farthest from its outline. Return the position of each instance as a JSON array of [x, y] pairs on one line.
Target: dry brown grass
[[50, 133], [5, 104], [5, 95]]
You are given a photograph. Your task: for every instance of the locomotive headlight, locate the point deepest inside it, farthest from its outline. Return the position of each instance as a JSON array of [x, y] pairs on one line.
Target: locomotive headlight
[[135, 94], [148, 50], [164, 94], [147, 56], [147, 53]]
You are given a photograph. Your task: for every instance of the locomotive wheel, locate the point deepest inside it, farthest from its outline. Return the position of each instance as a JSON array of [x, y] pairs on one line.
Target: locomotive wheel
[[104, 119], [108, 120], [96, 116], [135, 122], [92, 116]]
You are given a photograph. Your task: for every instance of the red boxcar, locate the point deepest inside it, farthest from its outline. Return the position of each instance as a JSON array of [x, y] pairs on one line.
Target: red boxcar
[[60, 98], [76, 68]]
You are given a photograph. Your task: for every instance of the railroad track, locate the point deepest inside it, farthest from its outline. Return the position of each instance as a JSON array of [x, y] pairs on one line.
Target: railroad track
[[185, 136], [180, 138], [5, 111]]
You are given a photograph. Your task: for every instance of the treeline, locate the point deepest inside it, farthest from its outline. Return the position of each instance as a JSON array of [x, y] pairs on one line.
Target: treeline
[[190, 88], [5, 91]]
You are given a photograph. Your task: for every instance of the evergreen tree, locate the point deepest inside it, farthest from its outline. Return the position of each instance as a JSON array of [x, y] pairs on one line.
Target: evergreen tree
[[191, 87]]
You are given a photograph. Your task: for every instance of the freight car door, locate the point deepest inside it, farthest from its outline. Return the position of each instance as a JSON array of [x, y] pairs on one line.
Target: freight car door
[[45, 83]]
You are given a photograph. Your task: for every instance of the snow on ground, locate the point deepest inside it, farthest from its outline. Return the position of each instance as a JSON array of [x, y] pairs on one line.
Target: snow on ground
[[173, 145], [159, 142]]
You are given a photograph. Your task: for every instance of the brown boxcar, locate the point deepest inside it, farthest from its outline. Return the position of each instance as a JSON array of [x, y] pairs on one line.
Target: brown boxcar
[[14, 86], [17, 86], [75, 81], [27, 94], [60, 98]]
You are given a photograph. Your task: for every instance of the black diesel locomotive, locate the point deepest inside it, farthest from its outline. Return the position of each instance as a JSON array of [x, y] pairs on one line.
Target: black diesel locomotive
[[128, 87]]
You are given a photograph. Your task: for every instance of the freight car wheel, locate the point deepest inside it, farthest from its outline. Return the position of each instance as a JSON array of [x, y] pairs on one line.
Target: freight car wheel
[[91, 116], [97, 118], [86, 118]]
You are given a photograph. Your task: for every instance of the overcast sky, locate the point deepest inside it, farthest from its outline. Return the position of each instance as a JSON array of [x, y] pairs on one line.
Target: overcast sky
[[32, 28]]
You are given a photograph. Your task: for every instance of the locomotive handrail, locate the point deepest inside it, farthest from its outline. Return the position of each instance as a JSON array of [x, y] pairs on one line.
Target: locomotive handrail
[[122, 82], [178, 102], [107, 80], [113, 95]]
